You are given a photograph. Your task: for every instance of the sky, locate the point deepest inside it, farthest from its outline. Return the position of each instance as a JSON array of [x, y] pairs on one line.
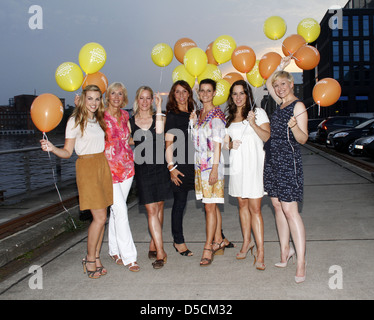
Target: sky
[[128, 30]]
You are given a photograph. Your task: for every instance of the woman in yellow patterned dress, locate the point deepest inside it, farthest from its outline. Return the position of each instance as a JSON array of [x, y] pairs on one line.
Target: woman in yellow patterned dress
[[209, 132]]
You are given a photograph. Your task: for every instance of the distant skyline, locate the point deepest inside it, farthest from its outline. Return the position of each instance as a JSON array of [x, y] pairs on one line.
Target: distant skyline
[[128, 30]]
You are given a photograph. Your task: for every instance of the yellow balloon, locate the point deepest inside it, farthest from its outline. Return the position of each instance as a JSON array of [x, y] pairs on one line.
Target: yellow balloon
[[254, 76], [309, 29], [275, 27], [162, 54], [223, 48], [222, 92], [180, 73], [195, 60], [92, 57], [69, 76], [211, 72]]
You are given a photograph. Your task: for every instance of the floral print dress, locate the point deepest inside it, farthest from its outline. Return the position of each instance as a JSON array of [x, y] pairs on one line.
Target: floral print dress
[[206, 131]]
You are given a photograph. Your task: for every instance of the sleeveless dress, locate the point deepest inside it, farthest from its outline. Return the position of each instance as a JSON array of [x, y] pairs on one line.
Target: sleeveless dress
[[247, 162], [283, 172], [151, 175]]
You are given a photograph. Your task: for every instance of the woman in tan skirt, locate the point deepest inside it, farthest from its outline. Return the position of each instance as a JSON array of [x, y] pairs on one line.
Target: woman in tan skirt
[[85, 133]]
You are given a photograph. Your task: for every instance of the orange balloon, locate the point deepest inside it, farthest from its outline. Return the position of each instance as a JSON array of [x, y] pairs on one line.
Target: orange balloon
[[326, 92], [268, 63], [46, 112], [209, 54], [99, 79], [232, 77], [243, 59], [292, 43], [182, 46], [307, 57]]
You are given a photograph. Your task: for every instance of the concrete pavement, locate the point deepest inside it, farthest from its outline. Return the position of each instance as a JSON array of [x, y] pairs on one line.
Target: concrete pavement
[[338, 213]]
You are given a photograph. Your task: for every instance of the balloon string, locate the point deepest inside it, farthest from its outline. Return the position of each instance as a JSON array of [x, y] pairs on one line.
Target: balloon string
[[314, 104], [45, 137]]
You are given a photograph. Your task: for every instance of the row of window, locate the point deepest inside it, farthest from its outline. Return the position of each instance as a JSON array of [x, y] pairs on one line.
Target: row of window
[[360, 75], [354, 26], [356, 50]]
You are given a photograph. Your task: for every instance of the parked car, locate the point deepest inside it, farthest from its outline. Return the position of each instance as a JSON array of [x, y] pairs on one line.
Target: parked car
[[342, 139], [334, 123], [364, 146], [312, 128]]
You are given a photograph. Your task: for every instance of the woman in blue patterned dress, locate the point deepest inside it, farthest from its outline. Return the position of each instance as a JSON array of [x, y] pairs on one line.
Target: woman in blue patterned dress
[[283, 172]]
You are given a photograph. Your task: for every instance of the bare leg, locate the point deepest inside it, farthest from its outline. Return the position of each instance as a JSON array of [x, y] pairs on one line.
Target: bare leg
[[245, 222], [257, 227], [155, 222]]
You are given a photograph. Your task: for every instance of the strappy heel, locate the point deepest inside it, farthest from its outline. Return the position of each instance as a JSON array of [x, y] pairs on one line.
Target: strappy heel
[[220, 250], [241, 255], [207, 260], [259, 265], [101, 269], [91, 274]]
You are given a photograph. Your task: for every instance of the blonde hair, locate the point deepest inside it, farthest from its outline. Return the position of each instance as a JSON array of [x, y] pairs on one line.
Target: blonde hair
[[138, 93], [114, 86], [282, 74], [80, 112]]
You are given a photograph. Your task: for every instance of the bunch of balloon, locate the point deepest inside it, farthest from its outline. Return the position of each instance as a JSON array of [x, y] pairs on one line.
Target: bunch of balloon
[[162, 54], [209, 54], [309, 29], [222, 92], [180, 73], [243, 59], [326, 92], [92, 57], [98, 78], [195, 60], [46, 112], [211, 72], [69, 76], [222, 48], [268, 64], [274, 27], [254, 77], [307, 57], [231, 77], [182, 46]]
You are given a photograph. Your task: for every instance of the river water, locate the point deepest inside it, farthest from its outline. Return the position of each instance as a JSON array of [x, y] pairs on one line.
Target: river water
[[26, 171]]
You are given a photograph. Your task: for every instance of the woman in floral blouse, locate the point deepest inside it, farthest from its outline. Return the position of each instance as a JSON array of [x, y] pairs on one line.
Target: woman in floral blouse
[[209, 133], [121, 161]]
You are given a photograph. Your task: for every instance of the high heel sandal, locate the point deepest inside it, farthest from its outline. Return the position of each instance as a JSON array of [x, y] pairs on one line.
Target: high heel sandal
[[241, 255], [291, 254], [117, 259], [259, 265], [187, 253], [207, 260], [221, 248], [159, 263], [91, 274], [101, 269]]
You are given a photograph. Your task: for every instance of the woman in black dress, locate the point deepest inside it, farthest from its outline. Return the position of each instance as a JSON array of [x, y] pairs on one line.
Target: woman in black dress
[[283, 172], [151, 176], [179, 156]]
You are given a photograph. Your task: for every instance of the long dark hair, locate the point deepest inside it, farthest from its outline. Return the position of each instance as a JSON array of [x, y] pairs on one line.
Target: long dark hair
[[231, 108], [172, 104]]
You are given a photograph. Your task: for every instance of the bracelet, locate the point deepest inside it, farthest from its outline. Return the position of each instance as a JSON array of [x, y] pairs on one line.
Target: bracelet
[[173, 168], [160, 114], [294, 125]]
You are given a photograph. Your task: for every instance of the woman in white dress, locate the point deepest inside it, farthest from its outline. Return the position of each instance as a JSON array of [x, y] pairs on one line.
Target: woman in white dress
[[247, 129]]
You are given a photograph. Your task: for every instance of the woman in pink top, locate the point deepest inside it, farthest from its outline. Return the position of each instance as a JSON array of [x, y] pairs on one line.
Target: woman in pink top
[[121, 161]]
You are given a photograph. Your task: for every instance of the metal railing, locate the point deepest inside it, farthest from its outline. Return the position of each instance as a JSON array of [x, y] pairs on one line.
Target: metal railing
[[26, 171]]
